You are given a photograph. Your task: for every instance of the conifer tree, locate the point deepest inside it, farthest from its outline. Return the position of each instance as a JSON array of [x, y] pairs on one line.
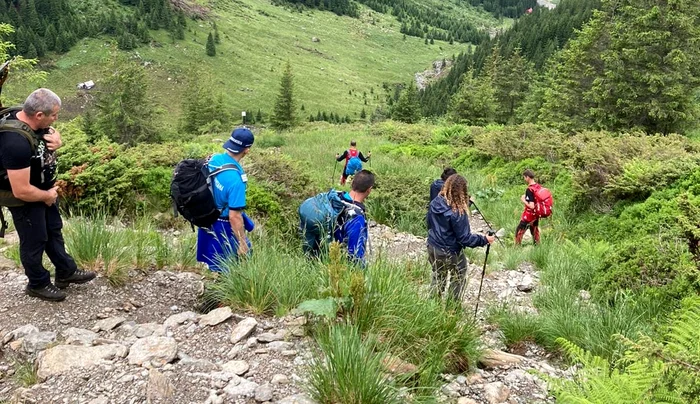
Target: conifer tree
[[259, 117], [363, 114], [285, 109], [475, 101], [407, 108], [123, 108], [211, 48]]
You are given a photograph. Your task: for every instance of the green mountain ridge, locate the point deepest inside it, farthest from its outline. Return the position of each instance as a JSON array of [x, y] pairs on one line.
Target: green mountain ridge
[[342, 70]]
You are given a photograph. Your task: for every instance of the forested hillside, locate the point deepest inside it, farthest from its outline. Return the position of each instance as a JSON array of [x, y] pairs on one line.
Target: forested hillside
[[632, 66], [537, 37]]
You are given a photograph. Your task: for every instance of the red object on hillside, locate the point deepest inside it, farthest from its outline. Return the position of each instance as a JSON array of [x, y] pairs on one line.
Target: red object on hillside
[[528, 11]]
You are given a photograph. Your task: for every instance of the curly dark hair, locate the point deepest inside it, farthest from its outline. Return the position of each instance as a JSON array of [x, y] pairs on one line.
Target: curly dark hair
[[456, 192]]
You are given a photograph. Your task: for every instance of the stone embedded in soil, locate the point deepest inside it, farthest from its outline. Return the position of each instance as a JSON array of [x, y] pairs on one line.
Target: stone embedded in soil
[[279, 379], [241, 388], [64, 358], [216, 316], [280, 346], [272, 337], [156, 350], [492, 359], [79, 336], [296, 399], [263, 393], [236, 367], [179, 318], [243, 329], [20, 332], [396, 365], [159, 387], [108, 324], [467, 400], [496, 392], [38, 341]]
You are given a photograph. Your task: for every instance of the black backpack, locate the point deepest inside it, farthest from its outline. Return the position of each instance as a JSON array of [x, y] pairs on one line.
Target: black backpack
[[191, 192], [7, 198]]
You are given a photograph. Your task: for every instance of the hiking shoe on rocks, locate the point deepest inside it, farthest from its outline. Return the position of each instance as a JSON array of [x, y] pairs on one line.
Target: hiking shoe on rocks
[[48, 292], [79, 276]]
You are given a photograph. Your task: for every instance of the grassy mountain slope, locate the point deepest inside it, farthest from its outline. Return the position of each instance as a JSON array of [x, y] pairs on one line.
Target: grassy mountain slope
[[257, 38]]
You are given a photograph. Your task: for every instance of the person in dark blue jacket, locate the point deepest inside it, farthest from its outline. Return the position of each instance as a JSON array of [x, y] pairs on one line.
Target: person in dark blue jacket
[[351, 229], [436, 186], [448, 234]]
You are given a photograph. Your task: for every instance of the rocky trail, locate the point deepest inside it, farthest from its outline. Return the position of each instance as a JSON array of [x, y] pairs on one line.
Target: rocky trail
[[143, 343]]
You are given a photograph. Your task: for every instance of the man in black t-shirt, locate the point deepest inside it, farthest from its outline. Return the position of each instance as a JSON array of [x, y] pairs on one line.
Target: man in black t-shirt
[[28, 172]]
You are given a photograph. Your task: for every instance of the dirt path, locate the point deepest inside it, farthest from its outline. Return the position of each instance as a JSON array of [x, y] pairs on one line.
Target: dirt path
[[143, 342]]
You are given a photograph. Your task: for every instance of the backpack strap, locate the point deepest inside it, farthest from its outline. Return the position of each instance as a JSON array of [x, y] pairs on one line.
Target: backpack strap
[[17, 126]]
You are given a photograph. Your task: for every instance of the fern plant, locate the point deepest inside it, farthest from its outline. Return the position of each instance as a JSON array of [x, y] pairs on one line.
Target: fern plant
[[666, 371]]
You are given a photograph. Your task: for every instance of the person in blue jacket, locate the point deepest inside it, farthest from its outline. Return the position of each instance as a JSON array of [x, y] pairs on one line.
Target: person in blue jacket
[[227, 237], [351, 229], [436, 186], [448, 234]]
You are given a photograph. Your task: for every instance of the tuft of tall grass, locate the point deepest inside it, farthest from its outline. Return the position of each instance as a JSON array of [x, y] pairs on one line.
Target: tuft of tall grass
[[99, 245], [404, 318], [349, 370], [184, 252], [25, 372], [516, 327], [270, 281]]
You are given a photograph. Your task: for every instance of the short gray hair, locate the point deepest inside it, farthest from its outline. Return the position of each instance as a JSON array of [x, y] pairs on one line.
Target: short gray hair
[[41, 100]]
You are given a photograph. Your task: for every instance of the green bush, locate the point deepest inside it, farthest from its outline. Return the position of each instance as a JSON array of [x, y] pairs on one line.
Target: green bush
[[644, 262]]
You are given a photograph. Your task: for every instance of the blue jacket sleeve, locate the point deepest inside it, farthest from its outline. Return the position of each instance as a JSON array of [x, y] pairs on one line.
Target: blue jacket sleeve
[[465, 238], [356, 236]]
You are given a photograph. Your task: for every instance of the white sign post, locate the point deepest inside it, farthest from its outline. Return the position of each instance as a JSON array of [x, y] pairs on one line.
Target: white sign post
[[243, 116]]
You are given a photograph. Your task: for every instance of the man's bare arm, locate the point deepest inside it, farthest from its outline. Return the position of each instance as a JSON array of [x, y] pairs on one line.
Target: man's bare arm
[[235, 217], [23, 190]]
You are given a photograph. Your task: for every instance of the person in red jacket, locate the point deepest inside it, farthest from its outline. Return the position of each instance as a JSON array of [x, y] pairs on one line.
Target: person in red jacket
[[347, 155], [529, 217]]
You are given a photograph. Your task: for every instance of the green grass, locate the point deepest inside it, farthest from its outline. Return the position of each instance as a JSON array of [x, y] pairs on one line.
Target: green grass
[[272, 281], [257, 39], [349, 370], [25, 372]]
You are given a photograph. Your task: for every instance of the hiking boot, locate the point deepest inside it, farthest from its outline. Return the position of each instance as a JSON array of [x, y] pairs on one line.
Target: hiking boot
[[79, 276], [48, 292]]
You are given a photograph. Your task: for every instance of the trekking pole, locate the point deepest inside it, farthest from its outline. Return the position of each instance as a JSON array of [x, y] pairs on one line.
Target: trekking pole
[[483, 273], [333, 176], [487, 223]]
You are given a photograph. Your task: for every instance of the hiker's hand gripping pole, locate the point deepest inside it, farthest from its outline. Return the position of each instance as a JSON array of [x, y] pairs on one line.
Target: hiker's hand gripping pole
[[498, 237]]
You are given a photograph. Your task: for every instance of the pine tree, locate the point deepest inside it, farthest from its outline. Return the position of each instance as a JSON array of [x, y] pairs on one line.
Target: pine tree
[[363, 114], [407, 108], [211, 48], [123, 112], [284, 112], [475, 101], [31, 52], [259, 117]]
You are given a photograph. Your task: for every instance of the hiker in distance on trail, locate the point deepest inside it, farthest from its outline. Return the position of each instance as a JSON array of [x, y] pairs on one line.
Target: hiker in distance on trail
[[339, 216], [28, 144], [353, 161], [448, 234], [538, 204], [227, 236]]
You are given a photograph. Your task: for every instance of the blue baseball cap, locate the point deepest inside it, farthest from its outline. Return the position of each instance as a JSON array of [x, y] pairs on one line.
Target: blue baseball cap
[[241, 139]]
